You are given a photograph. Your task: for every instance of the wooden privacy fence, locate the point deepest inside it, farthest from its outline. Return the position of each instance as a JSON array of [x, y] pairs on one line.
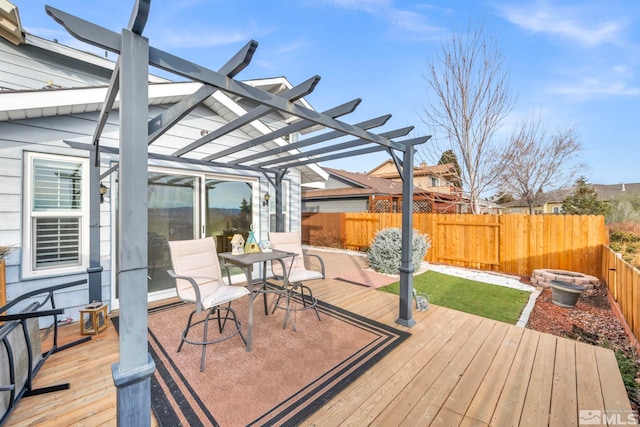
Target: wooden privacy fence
[[623, 282], [512, 243]]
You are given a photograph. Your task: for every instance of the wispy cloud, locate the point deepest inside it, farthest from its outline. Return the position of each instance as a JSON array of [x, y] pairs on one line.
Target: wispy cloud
[[411, 21], [573, 23], [617, 80], [403, 24], [371, 6], [293, 46], [591, 88], [203, 38], [199, 37]]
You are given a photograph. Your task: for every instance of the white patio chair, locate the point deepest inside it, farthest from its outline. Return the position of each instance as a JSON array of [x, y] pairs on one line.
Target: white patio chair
[[298, 272], [196, 269]]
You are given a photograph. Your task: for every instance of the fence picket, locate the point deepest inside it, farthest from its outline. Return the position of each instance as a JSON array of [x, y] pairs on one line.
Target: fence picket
[[512, 243]]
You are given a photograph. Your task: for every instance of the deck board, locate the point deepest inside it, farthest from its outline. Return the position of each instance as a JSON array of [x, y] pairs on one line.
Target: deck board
[[461, 396], [537, 404], [564, 399], [488, 392], [455, 369]]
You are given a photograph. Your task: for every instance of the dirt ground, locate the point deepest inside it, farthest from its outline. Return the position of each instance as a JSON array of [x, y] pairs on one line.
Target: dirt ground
[[591, 321]]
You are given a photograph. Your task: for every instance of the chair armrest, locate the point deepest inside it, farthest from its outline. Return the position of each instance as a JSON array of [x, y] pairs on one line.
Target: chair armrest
[[193, 282], [321, 262]]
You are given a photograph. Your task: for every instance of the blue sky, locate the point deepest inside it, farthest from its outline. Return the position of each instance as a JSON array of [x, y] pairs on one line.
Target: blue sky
[[576, 63]]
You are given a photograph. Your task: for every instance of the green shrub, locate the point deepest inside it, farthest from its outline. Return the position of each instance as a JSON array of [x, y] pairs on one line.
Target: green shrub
[[385, 251]]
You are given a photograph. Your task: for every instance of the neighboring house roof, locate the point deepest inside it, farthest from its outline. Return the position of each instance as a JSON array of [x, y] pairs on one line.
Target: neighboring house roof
[[365, 185], [553, 196], [606, 192], [609, 192], [384, 170], [362, 185]]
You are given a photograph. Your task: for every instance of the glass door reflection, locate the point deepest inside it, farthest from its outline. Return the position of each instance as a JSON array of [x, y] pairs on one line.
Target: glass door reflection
[[228, 211], [172, 201]]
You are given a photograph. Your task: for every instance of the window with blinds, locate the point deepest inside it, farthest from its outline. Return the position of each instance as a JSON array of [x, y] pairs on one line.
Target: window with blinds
[[56, 185], [57, 210], [57, 242]]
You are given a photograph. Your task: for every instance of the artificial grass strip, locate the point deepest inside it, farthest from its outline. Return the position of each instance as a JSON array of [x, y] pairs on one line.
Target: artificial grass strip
[[483, 299]]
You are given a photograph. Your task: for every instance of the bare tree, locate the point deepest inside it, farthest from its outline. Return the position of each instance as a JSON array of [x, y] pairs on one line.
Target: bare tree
[[471, 99], [539, 160]]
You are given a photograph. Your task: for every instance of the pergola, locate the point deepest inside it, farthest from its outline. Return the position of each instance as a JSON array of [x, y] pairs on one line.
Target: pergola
[[130, 79]]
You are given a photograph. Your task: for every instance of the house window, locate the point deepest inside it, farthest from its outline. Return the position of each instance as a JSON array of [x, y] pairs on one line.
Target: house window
[[285, 206], [556, 210], [56, 209], [435, 182]]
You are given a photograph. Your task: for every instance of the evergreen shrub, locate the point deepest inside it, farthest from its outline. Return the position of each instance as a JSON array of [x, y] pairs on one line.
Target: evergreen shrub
[[385, 251]]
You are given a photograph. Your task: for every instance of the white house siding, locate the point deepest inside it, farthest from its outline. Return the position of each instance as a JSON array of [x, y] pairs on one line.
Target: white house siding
[[332, 183], [342, 205], [43, 135], [30, 67]]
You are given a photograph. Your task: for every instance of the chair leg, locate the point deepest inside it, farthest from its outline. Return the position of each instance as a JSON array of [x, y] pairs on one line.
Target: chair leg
[[186, 331], [314, 302], [287, 315], [206, 334], [238, 326], [304, 301], [230, 314], [221, 324], [264, 297], [275, 303]]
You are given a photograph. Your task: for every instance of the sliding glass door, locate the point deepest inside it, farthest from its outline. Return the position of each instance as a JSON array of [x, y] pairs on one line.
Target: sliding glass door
[[173, 215], [228, 210], [184, 206]]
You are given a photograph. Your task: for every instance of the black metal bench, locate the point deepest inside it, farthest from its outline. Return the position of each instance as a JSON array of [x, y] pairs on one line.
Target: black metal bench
[[21, 355]]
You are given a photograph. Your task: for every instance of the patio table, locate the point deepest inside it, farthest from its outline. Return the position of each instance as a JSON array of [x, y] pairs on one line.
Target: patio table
[[245, 262]]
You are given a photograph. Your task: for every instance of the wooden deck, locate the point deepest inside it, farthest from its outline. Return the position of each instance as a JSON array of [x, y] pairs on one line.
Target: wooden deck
[[455, 369]]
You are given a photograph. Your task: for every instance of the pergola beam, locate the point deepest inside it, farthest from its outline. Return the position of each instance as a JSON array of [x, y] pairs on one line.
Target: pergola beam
[[292, 94], [363, 151], [340, 110], [106, 39], [327, 136], [169, 158], [337, 147], [159, 124]]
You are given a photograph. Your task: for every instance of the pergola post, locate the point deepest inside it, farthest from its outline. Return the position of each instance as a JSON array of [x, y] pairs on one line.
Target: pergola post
[[95, 269], [132, 373], [406, 268]]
